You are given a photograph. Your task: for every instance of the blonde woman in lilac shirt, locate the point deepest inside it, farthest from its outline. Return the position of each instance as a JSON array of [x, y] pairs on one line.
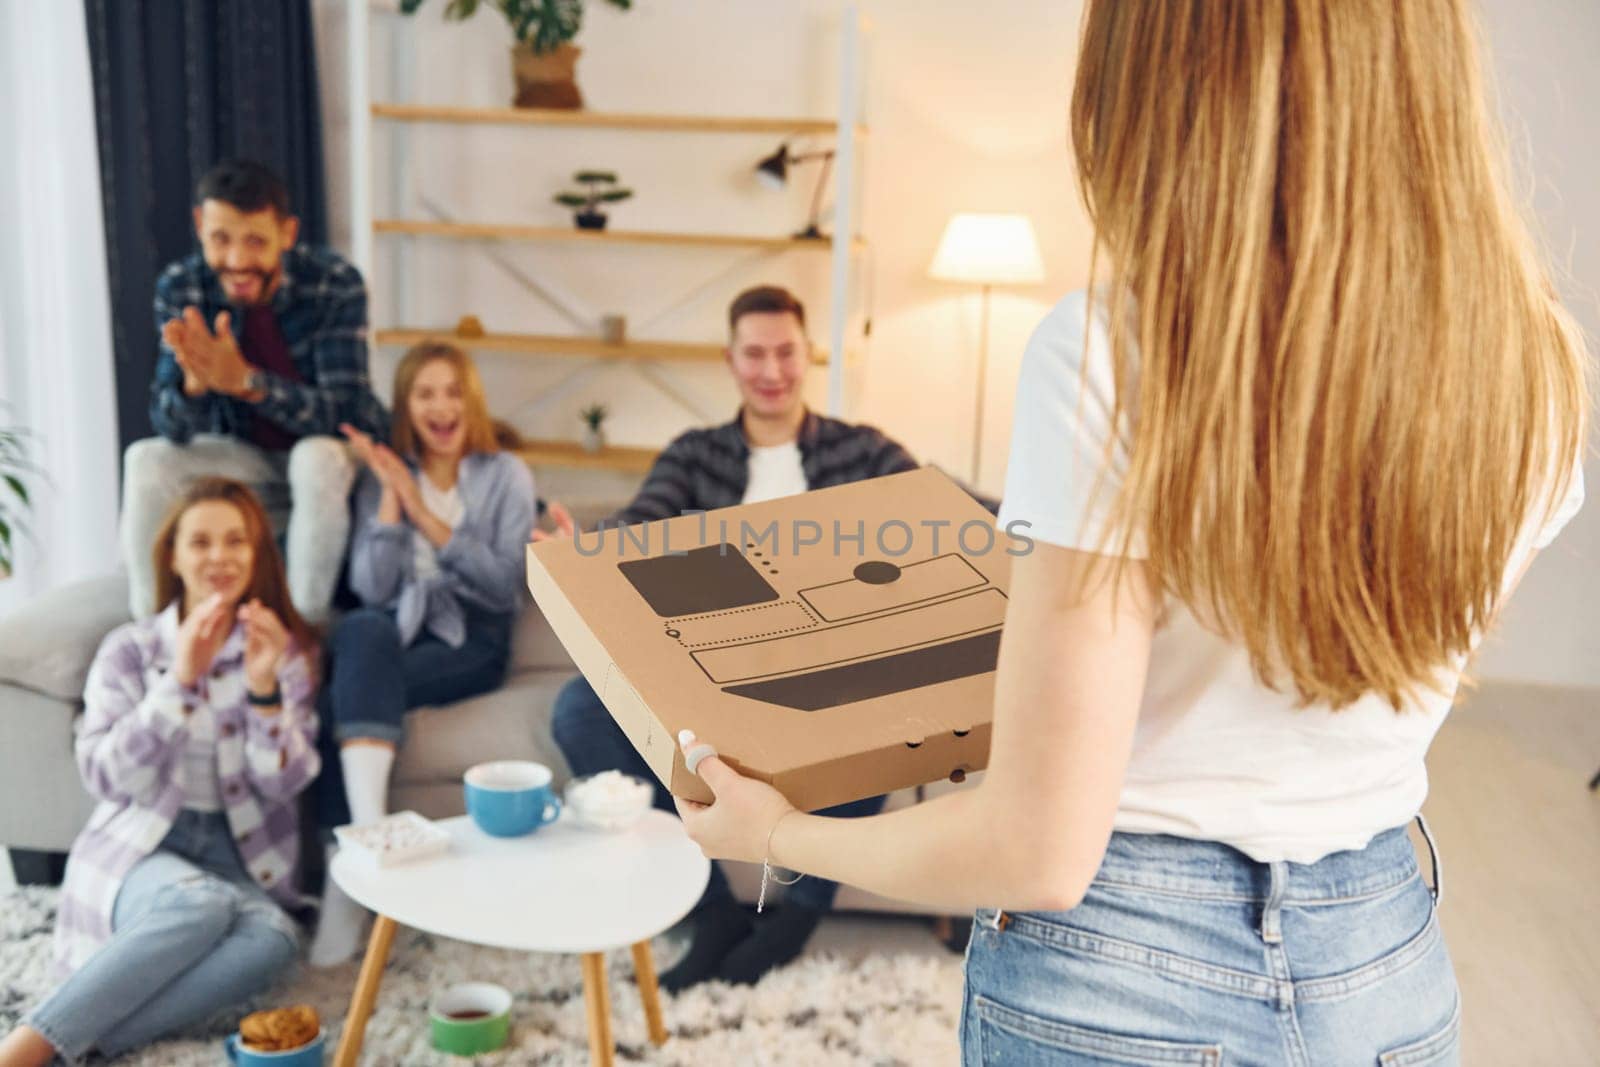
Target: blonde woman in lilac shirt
[[199, 730], [441, 519]]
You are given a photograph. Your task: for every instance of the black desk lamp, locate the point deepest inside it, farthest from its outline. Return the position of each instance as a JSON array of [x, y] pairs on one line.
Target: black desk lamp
[[773, 172]]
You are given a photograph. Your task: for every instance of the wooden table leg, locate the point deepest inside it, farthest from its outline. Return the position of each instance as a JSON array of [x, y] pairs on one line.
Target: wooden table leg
[[355, 1022], [644, 969], [597, 997]]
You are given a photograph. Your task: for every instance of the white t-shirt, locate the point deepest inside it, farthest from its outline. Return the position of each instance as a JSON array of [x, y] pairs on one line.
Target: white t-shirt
[[446, 505], [1216, 755], [774, 471]]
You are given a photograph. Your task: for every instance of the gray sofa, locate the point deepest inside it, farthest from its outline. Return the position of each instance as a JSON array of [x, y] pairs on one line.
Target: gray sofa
[[45, 652]]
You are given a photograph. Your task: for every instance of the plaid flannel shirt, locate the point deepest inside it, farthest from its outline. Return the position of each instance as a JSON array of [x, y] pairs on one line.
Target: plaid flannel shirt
[[703, 470], [129, 747], [321, 307]]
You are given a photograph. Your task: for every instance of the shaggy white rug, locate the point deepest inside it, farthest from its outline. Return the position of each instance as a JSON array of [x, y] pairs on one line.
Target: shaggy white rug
[[824, 1010]]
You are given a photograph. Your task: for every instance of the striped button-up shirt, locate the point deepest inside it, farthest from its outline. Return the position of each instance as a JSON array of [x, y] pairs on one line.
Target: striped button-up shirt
[[321, 308], [129, 749]]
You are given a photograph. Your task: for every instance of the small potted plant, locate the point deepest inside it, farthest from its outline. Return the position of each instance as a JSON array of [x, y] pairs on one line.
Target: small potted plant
[[594, 435], [586, 205], [14, 500], [544, 61]]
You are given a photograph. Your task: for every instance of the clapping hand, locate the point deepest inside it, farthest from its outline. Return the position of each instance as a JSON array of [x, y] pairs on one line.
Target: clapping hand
[[399, 485], [266, 640], [200, 637], [210, 358], [562, 520]]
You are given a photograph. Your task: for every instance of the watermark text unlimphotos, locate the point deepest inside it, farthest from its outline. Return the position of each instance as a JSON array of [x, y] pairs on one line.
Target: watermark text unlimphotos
[[891, 538]]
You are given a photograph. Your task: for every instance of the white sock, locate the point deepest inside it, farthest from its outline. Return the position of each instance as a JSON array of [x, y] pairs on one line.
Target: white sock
[[366, 780], [339, 926]]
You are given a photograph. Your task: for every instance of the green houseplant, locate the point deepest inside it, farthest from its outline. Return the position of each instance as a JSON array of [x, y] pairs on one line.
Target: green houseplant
[[544, 61], [586, 205], [594, 435], [14, 500]]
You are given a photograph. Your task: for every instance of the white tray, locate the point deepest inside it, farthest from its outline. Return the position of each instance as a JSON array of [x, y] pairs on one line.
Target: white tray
[[402, 837]]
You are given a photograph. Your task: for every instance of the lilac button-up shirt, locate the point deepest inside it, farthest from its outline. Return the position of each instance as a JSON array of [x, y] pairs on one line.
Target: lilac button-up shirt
[[130, 746]]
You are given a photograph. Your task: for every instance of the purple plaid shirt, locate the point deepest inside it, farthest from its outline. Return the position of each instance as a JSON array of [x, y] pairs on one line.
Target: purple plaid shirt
[[130, 753]]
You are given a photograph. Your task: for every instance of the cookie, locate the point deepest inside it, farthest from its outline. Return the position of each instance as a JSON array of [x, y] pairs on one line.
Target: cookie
[[280, 1029]]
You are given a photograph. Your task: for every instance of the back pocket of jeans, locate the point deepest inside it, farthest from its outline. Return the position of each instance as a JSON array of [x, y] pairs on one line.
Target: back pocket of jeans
[[1010, 1038], [1443, 1046]]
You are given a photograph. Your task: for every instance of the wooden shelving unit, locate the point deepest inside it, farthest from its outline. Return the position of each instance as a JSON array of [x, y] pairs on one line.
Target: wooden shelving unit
[[365, 114], [572, 454], [516, 232], [557, 345], [604, 120]]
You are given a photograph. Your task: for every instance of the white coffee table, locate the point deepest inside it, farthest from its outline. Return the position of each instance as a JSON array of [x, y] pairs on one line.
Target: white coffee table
[[562, 889]]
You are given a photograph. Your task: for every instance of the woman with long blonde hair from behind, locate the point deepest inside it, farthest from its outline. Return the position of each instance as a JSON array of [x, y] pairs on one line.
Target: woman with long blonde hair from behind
[[1283, 468]]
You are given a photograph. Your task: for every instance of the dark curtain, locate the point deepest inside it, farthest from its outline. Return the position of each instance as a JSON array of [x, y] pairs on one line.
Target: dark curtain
[[179, 85]]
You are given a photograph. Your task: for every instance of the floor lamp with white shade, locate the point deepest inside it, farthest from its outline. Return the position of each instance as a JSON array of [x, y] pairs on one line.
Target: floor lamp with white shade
[[986, 250]]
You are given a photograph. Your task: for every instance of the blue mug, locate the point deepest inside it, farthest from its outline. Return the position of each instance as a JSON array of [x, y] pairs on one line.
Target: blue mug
[[510, 798], [307, 1055]]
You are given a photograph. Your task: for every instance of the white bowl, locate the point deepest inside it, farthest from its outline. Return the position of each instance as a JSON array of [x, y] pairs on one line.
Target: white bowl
[[609, 800]]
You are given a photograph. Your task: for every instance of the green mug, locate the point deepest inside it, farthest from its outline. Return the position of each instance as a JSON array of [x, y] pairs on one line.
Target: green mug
[[470, 1018]]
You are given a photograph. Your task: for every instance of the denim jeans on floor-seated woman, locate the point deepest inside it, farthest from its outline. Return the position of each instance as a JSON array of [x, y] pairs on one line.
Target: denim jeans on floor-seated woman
[[1189, 952], [192, 934]]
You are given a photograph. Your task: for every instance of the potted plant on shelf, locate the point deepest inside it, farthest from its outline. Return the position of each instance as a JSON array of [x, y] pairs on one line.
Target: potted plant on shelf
[[544, 61], [13, 491], [586, 205], [594, 435]]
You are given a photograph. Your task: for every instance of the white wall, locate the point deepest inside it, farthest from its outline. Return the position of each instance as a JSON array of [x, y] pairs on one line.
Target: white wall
[[1544, 58], [967, 106]]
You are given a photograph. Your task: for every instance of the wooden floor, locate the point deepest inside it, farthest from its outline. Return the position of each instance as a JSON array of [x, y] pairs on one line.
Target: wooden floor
[[1520, 837]]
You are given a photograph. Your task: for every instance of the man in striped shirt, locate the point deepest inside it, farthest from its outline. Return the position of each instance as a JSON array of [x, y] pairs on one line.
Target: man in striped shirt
[[263, 356], [775, 447]]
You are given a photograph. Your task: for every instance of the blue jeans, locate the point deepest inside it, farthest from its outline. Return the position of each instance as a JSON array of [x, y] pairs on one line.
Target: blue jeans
[[372, 682], [192, 934], [1189, 952], [593, 742]]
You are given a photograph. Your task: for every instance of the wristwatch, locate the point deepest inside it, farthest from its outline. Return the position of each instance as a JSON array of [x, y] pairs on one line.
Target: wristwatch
[[271, 700], [255, 382]]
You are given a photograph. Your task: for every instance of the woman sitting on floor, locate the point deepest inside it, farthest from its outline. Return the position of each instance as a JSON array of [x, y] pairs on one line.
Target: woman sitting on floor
[[441, 523], [199, 730]]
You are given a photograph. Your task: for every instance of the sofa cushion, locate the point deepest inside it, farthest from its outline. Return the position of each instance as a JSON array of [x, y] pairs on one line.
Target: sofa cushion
[[48, 644], [512, 722], [535, 647]]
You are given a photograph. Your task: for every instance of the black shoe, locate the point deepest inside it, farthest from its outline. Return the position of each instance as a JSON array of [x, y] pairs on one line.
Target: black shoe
[[717, 928], [775, 941]]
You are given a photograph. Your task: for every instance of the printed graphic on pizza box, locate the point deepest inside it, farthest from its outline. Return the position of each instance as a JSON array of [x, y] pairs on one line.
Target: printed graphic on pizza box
[[839, 643]]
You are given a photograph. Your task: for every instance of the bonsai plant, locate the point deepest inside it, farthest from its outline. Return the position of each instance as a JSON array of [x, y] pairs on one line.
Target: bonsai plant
[[594, 437], [587, 204], [13, 492], [544, 61]]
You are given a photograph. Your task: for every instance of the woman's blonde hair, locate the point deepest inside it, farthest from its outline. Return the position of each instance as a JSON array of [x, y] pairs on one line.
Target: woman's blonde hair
[[1345, 372], [268, 583], [479, 428]]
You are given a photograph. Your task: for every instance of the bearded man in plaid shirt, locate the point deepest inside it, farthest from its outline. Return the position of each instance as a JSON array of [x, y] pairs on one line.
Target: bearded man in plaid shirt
[[263, 357]]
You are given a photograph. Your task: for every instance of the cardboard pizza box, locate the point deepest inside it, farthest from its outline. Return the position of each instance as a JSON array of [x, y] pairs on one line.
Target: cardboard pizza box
[[839, 644]]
